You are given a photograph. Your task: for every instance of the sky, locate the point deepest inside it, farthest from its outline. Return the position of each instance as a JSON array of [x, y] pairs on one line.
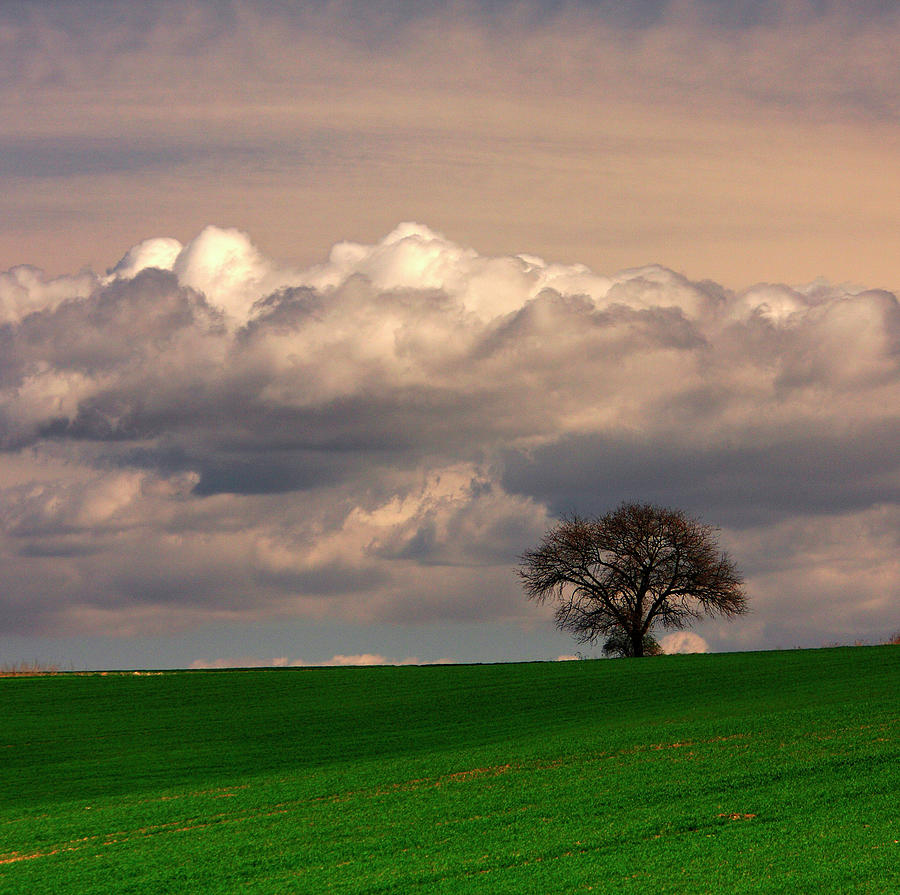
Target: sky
[[315, 316]]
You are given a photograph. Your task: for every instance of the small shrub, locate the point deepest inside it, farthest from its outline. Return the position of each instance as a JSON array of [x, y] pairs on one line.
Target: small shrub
[[619, 645]]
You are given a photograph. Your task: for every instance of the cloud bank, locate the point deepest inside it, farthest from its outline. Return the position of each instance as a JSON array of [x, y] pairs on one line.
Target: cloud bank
[[203, 434]]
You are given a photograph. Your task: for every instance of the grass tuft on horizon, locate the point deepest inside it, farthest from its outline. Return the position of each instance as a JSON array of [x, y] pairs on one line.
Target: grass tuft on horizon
[[27, 669]]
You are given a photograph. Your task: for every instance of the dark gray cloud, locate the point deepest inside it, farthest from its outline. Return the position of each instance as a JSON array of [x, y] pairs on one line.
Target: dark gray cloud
[[739, 485]]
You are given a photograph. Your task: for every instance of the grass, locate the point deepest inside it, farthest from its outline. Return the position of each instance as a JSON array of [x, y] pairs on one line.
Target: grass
[[27, 669], [754, 772]]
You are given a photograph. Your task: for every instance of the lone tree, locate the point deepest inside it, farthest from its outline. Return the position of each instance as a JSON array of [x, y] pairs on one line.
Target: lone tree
[[619, 575]]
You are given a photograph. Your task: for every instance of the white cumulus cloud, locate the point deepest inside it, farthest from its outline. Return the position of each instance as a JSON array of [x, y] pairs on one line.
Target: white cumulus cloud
[[683, 642], [160, 252]]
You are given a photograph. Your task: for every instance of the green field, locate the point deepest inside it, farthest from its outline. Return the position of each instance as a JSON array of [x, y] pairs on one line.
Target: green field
[[745, 772]]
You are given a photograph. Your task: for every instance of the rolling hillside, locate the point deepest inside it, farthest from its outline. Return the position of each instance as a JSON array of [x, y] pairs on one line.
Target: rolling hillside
[[752, 772]]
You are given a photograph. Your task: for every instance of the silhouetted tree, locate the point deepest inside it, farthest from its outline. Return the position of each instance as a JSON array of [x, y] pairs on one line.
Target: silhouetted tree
[[617, 576]]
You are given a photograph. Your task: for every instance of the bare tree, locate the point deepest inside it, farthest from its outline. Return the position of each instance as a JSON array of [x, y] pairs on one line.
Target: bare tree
[[619, 575]]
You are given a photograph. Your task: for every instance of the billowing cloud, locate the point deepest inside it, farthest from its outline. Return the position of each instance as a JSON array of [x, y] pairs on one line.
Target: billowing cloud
[[203, 434], [683, 642]]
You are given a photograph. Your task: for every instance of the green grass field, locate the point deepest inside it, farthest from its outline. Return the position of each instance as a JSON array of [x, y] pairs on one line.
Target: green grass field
[[752, 772]]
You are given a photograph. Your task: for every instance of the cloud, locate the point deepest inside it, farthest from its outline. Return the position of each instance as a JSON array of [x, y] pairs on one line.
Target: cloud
[[361, 659], [683, 642], [243, 662], [339, 660], [159, 252], [204, 434], [24, 289]]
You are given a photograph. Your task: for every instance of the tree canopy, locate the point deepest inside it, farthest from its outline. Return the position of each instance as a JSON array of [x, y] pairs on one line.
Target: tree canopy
[[635, 569]]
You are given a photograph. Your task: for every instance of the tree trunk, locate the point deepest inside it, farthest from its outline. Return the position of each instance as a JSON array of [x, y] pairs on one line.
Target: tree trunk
[[637, 645]]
